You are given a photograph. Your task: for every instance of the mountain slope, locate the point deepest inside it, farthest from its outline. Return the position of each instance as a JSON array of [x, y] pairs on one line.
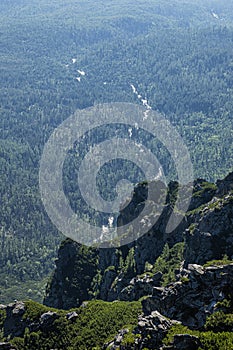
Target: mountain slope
[[178, 56], [131, 271], [175, 304]]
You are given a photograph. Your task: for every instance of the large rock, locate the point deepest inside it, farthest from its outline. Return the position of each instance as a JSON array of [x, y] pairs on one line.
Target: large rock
[[47, 319], [100, 271], [140, 286], [14, 325], [153, 329], [212, 236], [72, 316], [225, 185]]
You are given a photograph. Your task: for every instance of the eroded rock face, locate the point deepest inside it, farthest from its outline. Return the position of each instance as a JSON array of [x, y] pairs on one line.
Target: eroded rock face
[[225, 185], [99, 270], [149, 333], [193, 300], [109, 274], [76, 268], [212, 236], [139, 287]]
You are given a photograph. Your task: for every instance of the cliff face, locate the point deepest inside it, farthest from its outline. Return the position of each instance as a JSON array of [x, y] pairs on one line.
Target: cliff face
[[129, 272], [76, 269], [183, 301]]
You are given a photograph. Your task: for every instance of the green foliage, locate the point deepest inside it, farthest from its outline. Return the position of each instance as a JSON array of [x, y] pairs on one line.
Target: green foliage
[[129, 339], [176, 329], [219, 321], [225, 304], [192, 227], [225, 261], [130, 265], [169, 261], [97, 323], [216, 341], [205, 187], [2, 318], [210, 340], [110, 268], [115, 45], [34, 310], [18, 342], [184, 279]]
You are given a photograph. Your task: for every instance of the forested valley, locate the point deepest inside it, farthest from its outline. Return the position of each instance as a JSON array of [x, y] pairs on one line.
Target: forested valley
[[58, 57]]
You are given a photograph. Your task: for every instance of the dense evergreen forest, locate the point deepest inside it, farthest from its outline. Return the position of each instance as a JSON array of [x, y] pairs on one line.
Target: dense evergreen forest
[[59, 57]]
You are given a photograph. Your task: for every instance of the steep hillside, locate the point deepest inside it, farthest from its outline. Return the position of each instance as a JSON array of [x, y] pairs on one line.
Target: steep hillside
[[173, 304], [132, 271], [177, 54]]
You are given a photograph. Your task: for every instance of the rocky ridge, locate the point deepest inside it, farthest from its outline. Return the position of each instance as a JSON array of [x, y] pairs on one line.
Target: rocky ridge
[[123, 273], [189, 302], [196, 289]]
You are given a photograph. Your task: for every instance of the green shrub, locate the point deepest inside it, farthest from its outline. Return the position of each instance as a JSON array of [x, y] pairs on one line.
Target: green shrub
[[169, 261], [97, 323], [225, 261], [219, 321], [210, 340], [34, 310], [184, 279], [216, 341]]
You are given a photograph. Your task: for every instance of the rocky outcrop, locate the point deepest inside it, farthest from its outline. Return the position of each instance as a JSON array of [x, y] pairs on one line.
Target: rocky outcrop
[[14, 323], [149, 333], [85, 273], [152, 329], [140, 286], [194, 297], [76, 268], [186, 303], [212, 234], [225, 186], [47, 319]]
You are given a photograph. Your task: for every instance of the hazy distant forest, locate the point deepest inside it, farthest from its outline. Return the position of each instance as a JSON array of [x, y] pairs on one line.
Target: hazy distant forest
[[57, 57]]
